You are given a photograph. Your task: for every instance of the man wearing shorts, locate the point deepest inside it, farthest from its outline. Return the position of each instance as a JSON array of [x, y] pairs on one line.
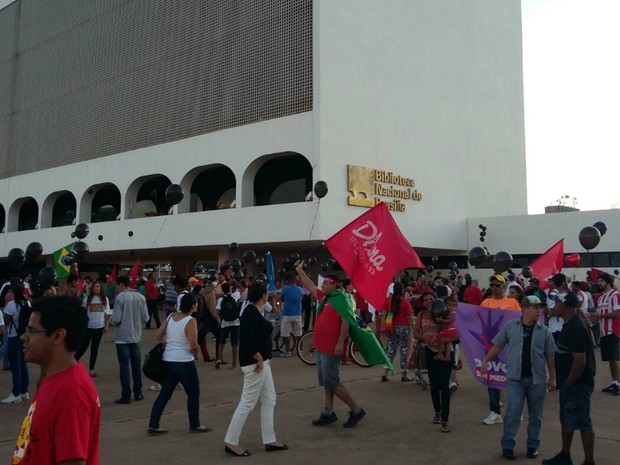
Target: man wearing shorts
[[330, 331], [575, 369], [291, 314], [229, 330], [608, 315]]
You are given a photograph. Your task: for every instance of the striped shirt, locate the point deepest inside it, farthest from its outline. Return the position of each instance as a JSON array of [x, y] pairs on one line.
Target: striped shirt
[[608, 303]]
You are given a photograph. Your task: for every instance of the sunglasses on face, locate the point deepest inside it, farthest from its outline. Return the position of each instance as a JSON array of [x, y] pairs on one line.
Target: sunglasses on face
[[496, 285]]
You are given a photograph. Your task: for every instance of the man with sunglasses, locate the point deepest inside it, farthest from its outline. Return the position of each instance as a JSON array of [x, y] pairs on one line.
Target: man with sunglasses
[[330, 332], [63, 421], [497, 283]]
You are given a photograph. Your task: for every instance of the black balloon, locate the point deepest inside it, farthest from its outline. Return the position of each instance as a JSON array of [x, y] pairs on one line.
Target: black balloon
[[261, 278], [311, 261], [452, 274], [602, 227], [47, 276], [16, 257], [332, 261], [100, 237], [174, 194], [260, 261], [320, 189], [616, 272], [453, 266], [235, 264], [502, 261], [324, 266], [224, 267], [80, 251], [249, 256], [33, 251], [467, 276], [435, 259], [281, 272], [130, 233], [233, 247], [430, 268], [589, 237], [238, 275], [477, 256], [81, 230], [286, 262], [527, 272], [294, 257]]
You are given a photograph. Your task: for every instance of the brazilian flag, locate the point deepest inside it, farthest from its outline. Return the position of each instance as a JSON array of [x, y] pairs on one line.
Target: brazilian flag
[[62, 270], [364, 338]]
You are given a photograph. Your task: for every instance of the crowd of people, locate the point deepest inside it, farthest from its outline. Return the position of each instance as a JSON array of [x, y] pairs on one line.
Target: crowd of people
[[550, 345]]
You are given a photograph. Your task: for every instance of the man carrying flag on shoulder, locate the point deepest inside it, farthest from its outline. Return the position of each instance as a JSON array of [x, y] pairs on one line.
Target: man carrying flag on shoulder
[[331, 327]]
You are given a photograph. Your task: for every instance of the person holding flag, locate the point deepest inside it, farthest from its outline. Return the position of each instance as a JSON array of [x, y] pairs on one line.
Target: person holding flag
[[331, 327]]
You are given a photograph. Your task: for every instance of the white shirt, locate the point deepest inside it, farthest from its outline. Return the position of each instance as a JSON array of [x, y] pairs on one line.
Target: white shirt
[[267, 308]]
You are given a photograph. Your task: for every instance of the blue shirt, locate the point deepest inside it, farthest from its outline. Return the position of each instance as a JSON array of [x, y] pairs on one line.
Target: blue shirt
[[291, 296]]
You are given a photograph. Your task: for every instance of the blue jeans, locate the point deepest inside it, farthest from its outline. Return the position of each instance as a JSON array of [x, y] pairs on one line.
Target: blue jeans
[[186, 374], [4, 353], [19, 368], [494, 400], [518, 391], [129, 354]]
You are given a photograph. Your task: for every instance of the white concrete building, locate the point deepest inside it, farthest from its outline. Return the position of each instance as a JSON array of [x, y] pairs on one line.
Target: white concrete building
[[247, 105]]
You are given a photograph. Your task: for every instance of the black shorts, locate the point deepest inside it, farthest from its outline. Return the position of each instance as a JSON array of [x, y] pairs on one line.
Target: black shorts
[[232, 332], [610, 348]]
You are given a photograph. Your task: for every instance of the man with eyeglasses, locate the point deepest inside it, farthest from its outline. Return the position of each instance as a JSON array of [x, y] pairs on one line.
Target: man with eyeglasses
[[63, 421], [499, 300]]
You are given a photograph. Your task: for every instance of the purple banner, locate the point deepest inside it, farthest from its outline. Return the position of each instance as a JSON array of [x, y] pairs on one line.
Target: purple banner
[[477, 327]]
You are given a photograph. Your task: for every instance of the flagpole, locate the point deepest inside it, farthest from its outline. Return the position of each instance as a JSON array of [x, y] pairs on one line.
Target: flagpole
[[313, 251]]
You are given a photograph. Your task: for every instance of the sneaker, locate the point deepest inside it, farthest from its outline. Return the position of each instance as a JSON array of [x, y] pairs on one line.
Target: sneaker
[[285, 354], [560, 459], [509, 454], [492, 419], [325, 420], [11, 399], [155, 387], [354, 418], [532, 453], [25, 396], [437, 419], [610, 388], [444, 427]]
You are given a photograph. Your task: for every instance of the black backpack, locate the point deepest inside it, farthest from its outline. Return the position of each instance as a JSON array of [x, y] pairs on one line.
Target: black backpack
[[229, 311], [23, 316]]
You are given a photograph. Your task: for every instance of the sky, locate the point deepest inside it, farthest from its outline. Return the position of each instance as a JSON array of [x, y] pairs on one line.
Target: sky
[[571, 74]]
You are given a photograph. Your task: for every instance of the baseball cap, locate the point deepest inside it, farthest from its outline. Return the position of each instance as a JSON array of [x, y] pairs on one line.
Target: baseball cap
[[498, 277], [192, 280], [569, 299], [530, 301]]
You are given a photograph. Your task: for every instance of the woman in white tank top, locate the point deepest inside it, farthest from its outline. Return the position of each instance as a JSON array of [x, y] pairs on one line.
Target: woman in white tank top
[[180, 335]]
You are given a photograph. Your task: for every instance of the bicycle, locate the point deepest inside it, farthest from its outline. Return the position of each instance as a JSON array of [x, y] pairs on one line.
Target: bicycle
[[307, 353], [277, 339]]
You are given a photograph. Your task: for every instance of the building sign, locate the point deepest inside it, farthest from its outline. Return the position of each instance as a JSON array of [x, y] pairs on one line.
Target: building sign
[[369, 186]]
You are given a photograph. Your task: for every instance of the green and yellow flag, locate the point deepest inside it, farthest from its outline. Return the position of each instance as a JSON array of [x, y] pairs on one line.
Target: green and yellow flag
[[62, 270], [364, 338]]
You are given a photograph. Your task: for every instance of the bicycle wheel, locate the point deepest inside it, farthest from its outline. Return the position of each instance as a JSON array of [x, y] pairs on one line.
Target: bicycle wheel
[[357, 356], [305, 348]]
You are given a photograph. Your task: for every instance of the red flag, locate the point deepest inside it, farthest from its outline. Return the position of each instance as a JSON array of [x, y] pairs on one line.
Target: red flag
[[371, 250], [133, 275], [594, 273], [549, 263], [114, 274]]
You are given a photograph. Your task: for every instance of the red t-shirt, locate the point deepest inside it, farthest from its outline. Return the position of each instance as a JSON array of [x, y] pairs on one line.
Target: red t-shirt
[[62, 422], [326, 328], [472, 295], [404, 313]]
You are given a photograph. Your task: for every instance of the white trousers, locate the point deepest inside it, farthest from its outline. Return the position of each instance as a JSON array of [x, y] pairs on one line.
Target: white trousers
[[255, 386]]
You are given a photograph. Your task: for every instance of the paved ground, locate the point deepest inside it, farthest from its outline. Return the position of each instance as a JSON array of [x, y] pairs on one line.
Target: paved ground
[[397, 428]]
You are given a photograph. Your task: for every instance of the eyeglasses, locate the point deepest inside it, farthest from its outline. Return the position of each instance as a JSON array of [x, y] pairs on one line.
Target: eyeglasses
[[31, 330], [496, 285]]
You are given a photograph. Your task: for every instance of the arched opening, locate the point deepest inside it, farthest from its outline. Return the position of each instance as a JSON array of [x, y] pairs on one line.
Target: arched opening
[[210, 188], [2, 219], [282, 178], [59, 209], [27, 212], [146, 196], [100, 203]]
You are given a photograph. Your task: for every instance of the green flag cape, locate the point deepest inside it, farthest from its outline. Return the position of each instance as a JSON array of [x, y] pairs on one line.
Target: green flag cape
[[62, 270], [365, 340]]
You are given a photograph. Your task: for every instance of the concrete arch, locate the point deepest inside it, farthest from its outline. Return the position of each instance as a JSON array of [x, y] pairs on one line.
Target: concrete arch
[[23, 215], [59, 209], [276, 178], [208, 187], [101, 202], [146, 196]]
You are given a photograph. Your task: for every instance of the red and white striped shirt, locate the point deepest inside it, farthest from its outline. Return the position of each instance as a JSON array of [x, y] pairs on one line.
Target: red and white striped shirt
[[608, 303]]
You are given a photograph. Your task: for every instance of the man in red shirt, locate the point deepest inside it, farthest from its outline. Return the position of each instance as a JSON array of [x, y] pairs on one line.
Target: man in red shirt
[[472, 293], [330, 331], [62, 423], [151, 294]]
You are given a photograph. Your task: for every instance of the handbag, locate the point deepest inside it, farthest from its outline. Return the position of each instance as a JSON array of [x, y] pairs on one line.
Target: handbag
[[387, 329], [153, 367]]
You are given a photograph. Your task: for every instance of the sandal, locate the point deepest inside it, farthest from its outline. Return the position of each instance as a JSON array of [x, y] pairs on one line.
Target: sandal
[[245, 453], [384, 378], [406, 379]]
